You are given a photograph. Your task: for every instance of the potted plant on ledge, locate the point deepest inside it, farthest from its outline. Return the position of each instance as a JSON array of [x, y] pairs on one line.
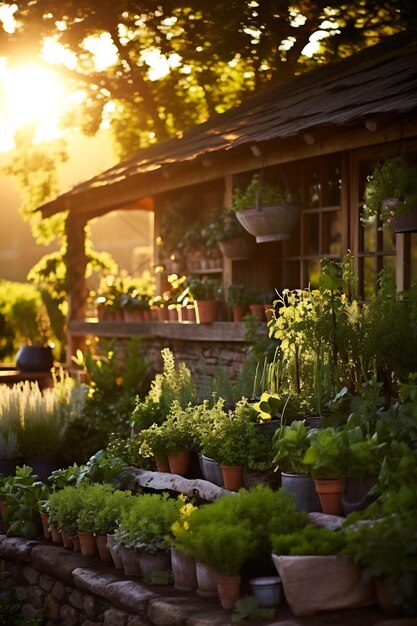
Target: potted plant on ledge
[[391, 194], [266, 211]]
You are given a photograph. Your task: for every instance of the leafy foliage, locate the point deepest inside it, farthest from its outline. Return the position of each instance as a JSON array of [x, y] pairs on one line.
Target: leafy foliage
[[309, 541]]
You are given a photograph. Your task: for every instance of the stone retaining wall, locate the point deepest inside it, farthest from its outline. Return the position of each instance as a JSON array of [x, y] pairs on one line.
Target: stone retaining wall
[[74, 590]]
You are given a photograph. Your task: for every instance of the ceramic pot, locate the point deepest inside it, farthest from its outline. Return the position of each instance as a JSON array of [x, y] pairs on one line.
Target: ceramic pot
[[304, 490], [178, 463], [232, 476], [103, 549], [131, 563], [267, 590], [238, 312], [270, 222], [356, 496], [115, 552], [88, 545], [228, 588], [258, 312], [158, 562], [183, 570], [211, 471], [76, 543], [34, 359], [207, 578], [330, 492]]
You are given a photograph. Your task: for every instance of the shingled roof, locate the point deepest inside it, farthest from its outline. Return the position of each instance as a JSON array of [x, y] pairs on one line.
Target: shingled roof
[[379, 80]]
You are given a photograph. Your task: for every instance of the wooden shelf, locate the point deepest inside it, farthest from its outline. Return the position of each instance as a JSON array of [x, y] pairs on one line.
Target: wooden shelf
[[184, 331]]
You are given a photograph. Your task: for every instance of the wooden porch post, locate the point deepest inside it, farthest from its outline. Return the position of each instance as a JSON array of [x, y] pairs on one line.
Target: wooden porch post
[[75, 262]]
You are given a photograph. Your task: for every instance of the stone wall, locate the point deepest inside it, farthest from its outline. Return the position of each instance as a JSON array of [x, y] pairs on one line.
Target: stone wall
[[74, 590]]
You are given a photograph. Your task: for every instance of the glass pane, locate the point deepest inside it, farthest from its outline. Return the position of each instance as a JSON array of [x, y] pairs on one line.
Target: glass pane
[[292, 275], [331, 236], [332, 184], [311, 234], [369, 277], [370, 240], [312, 272], [413, 258], [313, 188]]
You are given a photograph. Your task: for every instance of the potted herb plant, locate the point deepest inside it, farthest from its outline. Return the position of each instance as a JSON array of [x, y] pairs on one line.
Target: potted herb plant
[[206, 293], [233, 240], [291, 443], [265, 211], [391, 194], [237, 300], [328, 458]]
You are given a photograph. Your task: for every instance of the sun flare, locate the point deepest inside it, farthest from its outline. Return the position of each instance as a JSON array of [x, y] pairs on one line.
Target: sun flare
[[30, 94]]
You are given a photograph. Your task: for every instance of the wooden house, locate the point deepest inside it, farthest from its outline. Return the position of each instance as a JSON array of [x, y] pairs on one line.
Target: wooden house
[[321, 132]]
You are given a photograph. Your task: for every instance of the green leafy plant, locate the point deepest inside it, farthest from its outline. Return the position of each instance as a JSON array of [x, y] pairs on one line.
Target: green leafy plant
[[257, 193], [22, 493], [64, 506], [394, 178], [106, 469], [291, 444], [204, 288], [237, 295], [146, 522], [247, 608], [310, 540], [327, 454]]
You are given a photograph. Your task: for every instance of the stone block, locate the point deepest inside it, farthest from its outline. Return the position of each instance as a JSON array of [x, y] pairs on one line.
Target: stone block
[[29, 611], [59, 592], [114, 617], [92, 606], [173, 611], [16, 572], [46, 582], [136, 620], [68, 616], [209, 618], [76, 598], [16, 549], [21, 593], [58, 562], [124, 594], [36, 597], [52, 607], [31, 575]]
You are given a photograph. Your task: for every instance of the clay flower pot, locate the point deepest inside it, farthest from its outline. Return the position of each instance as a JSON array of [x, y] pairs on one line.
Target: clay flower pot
[[206, 311], [330, 492], [178, 463], [45, 525], [228, 588], [66, 540], [232, 476], [162, 464], [103, 549], [56, 535], [88, 544]]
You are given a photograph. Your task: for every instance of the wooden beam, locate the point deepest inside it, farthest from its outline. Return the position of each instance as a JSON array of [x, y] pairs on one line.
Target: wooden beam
[[75, 262]]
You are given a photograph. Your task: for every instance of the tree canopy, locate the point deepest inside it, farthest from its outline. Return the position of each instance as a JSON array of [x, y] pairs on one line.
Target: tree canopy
[[172, 64]]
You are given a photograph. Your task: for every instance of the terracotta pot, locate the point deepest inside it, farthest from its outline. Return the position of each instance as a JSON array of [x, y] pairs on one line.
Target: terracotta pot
[[162, 464], [207, 578], [3, 507], [45, 525], [183, 571], [76, 543], [330, 492], [228, 588], [56, 535], [238, 312], [206, 311], [258, 311], [115, 552], [232, 476], [88, 545], [178, 463], [66, 540], [103, 549]]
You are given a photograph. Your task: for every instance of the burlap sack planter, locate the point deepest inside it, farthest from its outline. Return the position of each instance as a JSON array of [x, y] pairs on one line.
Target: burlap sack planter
[[322, 583]]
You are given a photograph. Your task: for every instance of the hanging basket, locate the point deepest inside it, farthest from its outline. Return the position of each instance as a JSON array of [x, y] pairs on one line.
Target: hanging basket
[[270, 222], [238, 249]]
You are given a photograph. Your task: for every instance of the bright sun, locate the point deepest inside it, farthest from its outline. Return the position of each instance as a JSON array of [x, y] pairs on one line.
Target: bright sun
[[30, 94]]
